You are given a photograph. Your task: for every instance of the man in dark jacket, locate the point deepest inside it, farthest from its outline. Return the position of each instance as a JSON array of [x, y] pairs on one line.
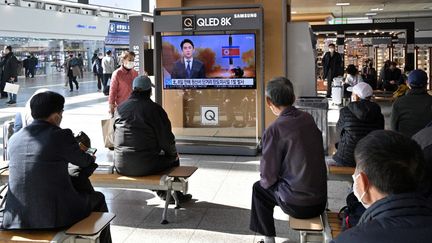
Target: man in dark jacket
[[9, 66], [292, 167], [143, 141], [41, 194], [424, 139], [392, 77], [413, 111], [188, 66], [388, 176], [333, 66], [356, 120], [32, 63]]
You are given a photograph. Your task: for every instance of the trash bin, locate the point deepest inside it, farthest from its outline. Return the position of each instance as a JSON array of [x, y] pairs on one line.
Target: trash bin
[[318, 108]]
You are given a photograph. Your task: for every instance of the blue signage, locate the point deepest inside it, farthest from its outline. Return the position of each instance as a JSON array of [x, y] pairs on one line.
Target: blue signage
[[83, 26], [118, 33], [118, 28]]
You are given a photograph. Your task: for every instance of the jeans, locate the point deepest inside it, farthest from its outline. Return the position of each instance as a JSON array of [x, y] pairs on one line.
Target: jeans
[[12, 97]]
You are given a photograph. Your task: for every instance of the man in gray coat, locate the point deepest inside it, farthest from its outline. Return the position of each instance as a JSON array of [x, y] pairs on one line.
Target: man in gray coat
[[41, 194]]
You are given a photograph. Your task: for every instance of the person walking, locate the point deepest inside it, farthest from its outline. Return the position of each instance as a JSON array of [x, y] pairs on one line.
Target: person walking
[[72, 70], [108, 66]]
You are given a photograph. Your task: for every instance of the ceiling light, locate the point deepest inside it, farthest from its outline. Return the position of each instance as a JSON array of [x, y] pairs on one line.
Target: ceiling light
[[293, 12], [342, 4], [357, 33], [370, 14], [376, 9]]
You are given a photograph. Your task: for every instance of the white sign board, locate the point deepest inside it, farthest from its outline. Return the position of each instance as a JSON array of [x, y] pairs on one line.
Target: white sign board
[[210, 115], [11, 88]]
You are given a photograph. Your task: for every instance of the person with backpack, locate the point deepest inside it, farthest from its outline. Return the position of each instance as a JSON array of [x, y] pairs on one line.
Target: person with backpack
[[98, 70], [389, 175], [73, 71]]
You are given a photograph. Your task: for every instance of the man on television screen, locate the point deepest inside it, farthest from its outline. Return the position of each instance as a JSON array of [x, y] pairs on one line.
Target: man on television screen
[[188, 67]]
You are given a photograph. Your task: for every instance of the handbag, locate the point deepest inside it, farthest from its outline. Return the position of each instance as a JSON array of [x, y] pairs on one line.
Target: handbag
[[108, 132], [11, 88]]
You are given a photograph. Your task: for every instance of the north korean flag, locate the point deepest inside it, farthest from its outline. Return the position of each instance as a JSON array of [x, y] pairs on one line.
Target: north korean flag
[[231, 51]]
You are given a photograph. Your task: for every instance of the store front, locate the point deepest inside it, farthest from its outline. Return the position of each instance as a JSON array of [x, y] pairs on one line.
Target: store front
[[50, 35]]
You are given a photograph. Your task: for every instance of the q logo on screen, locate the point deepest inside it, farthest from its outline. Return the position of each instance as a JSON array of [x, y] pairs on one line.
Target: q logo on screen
[[188, 23]]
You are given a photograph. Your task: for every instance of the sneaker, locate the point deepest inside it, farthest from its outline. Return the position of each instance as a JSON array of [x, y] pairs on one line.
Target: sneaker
[[11, 103], [71, 90]]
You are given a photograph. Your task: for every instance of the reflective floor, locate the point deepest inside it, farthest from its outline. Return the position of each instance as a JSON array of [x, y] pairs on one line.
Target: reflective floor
[[221, 188]]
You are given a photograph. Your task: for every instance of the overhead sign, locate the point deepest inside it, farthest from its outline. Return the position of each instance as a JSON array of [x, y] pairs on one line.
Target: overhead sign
[[118, 33], [210, 115], [207, 22]]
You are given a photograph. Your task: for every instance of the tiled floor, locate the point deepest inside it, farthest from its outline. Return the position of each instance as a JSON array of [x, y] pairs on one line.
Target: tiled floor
[[221, 187]]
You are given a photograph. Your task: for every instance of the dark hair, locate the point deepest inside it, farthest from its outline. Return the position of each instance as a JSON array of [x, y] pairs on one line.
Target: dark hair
[[44, 104], [280, 91], [331, 44], [142, 93], [186, 41], [392, 162], [351, 69], [393, 64], [79, 54], [108, 52], [9, 48]]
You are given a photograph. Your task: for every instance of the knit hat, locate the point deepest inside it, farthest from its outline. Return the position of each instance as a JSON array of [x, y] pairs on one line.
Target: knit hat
[[142, 82]]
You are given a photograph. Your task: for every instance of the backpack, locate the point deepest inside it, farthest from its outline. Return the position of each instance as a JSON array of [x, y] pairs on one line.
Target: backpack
[[352, 212]]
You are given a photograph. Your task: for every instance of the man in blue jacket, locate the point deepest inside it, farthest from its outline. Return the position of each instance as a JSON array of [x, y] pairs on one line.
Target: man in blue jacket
[[387, 180], [293, 171]]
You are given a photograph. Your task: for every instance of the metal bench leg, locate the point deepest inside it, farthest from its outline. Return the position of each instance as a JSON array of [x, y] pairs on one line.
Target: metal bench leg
[[165, 211], [303, 235], [177, 201]]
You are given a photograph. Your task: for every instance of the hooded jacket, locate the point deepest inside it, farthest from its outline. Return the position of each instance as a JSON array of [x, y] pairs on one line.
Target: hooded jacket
[[356, 121], [396, 218]]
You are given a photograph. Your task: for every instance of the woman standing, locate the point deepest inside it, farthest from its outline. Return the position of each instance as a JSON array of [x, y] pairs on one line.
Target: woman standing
[[121, 81]]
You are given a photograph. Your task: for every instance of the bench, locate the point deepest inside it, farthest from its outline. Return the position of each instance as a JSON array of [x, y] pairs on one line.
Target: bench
[[174, 179], [87, 230], [340, 173], [319, 229], [309, 229]]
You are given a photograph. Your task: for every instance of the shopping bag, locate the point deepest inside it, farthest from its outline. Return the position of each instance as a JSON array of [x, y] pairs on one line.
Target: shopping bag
[[108, 132], [11, 88]]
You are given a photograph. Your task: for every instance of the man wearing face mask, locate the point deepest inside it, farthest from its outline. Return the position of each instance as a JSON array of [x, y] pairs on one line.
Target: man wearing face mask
[[292, 167], [388, 178], [333, 66], [41, 194], [121, 82]]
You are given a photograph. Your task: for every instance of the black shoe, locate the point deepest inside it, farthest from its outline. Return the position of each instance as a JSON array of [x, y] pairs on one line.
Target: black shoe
[[71, 90], [77, 87]]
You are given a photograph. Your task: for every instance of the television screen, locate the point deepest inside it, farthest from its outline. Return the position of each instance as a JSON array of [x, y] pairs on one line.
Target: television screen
[[209, 61]]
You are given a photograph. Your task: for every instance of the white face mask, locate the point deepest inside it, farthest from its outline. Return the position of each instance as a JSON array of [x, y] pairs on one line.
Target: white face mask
[[129, 65], [360, 198]]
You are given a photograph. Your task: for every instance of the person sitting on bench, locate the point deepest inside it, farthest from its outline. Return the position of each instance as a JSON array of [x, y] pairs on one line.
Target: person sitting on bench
[[143, 141], [293, 170], [41, 194], [356, 120], [389, 175]]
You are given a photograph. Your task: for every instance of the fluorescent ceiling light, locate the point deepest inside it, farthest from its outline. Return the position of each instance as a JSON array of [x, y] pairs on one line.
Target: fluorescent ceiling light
[[370, 14], [293, 12], [376, 9], [342, 4]]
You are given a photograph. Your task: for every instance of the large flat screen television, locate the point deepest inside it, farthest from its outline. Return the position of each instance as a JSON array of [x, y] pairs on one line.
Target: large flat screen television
[[209, 61]]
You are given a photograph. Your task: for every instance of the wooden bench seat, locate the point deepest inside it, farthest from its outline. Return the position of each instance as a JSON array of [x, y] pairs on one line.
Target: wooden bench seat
[[310, 229], [340, 173], [88, 228], [335, 224], [174, 179]]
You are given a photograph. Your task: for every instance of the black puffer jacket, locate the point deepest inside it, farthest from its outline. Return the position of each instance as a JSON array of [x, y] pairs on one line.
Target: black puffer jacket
[[356, 121], [397, 218]]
